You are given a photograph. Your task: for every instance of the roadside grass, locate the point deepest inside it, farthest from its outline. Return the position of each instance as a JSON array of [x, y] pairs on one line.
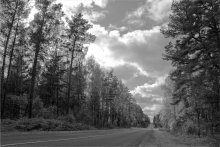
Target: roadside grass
[[41, 124], [193, 140]]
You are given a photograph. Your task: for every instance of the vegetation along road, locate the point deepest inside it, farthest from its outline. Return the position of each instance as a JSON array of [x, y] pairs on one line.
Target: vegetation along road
[[140, 137]]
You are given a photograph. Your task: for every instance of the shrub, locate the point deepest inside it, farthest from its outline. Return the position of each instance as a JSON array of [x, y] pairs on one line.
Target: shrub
[[7, 125], [43, 124], [84, 117], [30, 124], [69, 118], [7, 122], [15, 106], [37, 107], [49, 113], [51, 124]]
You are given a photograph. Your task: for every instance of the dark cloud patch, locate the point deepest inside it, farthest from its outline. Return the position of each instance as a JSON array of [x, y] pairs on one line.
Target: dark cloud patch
[[119, 10], [131, 76], [125, 72], [147, 101], [139, 80], [147, 54]]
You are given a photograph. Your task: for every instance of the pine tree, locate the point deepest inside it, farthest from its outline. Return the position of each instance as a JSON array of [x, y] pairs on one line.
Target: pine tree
[[18, 10], [195, 56], [77, 36], [41, 33]]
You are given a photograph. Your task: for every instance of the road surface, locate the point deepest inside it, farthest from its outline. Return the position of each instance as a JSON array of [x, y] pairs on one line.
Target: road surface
[[137, 137]]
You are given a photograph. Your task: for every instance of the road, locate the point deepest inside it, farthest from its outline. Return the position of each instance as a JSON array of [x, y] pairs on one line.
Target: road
[[137, 137]]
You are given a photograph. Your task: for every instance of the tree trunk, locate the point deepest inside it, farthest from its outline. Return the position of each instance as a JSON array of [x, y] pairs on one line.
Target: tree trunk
[[4, 58], [198, 121], [33, 75], [70, 77]]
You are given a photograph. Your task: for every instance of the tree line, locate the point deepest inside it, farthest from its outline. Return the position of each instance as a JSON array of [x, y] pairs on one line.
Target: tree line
[[44, 72], [192, 90]]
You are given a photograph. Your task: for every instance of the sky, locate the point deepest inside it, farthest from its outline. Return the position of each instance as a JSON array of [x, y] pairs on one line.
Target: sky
[[129, 41]]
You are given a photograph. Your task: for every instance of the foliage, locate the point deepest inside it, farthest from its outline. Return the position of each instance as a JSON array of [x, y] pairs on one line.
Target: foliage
[[49, 79], [193, 102], [41, 124]]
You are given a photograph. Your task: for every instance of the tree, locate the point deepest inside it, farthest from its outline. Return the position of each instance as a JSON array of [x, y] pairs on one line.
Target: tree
[[18, 11], [41, 30], [196, 58], [77, 36], [8, 13]]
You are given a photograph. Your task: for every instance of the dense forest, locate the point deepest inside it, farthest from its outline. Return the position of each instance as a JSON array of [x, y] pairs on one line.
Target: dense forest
[[192, 90], [45, 76]]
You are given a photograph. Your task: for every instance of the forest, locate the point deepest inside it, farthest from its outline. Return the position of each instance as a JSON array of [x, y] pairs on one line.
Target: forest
[[47, 83], [191, 103]]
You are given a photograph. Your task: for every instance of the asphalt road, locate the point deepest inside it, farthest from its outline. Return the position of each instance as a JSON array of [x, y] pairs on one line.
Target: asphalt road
[[137, 137]]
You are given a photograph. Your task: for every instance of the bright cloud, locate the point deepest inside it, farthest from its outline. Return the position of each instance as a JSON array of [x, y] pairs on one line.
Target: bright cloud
[[152, 108], [144, 90], [94, 16], [159, 9], [156, 10], [85, 3], [121, 29]]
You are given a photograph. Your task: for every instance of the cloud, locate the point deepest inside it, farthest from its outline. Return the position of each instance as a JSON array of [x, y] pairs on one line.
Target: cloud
[[147, 88], [94, 16], [156, 10], [132, 75], [140, 48], [159, 9], [100, 3], [85, 3], [121, 29]]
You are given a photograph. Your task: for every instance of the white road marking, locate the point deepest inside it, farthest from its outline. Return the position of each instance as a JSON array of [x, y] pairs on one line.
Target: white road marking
[[33, 142]]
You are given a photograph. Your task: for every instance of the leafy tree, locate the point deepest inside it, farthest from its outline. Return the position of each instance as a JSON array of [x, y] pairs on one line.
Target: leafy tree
[[8, 14], [41, 30], [196, 58], [77, 36], [18, 12]]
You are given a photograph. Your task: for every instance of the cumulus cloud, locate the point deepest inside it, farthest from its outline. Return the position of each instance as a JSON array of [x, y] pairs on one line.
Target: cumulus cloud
[[121, 29], [94, 16], [156, 10], [147, 88], [159, 9], [139, 48], [85, 3]]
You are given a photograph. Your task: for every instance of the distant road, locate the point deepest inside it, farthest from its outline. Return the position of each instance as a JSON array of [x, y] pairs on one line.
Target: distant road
[[137, 137]]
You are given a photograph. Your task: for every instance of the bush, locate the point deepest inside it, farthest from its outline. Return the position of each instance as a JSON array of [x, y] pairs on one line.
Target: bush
[[49, 113], [38, 107], [70, 127], [30, 124], [44, 124], [189, 127], [7, 125], [69, 118], [51, 124], [84, 117], [7, 122], [15, 106]]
